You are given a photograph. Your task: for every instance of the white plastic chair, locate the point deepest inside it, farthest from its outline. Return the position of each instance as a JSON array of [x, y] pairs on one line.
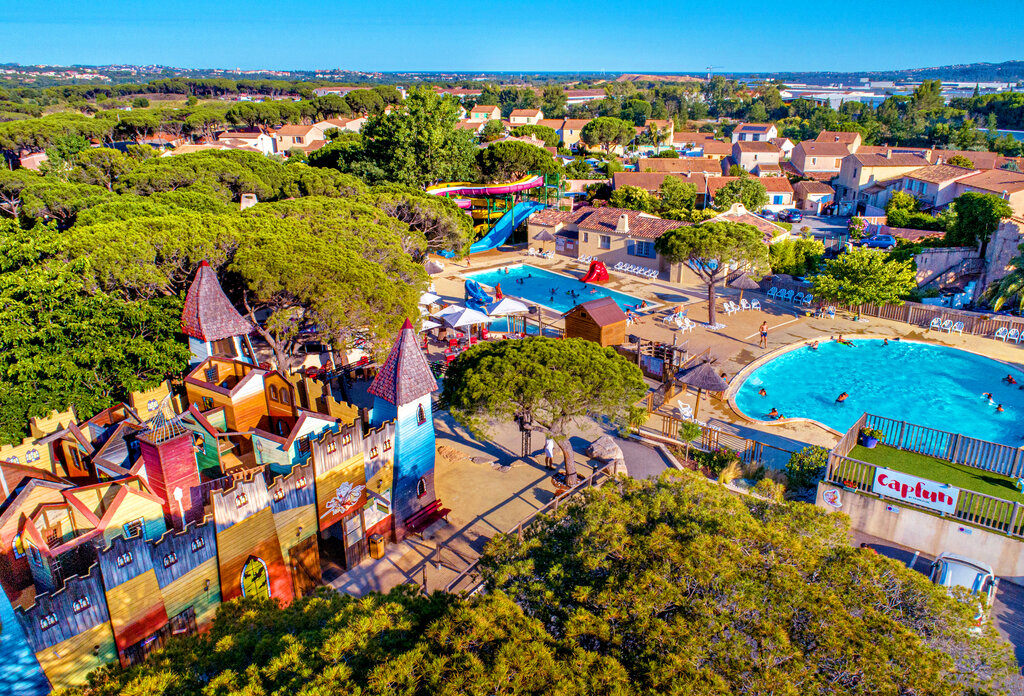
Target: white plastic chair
[[687, 325], [936, 324], [1014, 335], [947, 325], [530, 251], [958, 327], [744, 305], [1001, 333], [755, 304], [731, 308], [683, 410], [773, 291], [670, 317]]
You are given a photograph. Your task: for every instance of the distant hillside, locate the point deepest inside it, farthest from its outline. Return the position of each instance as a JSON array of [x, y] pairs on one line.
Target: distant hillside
[[634, 77]]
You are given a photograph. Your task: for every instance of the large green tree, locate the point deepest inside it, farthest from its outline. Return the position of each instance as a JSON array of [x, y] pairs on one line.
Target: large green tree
[[512, 159], [977, 216], [607, 132], [695, 590], [419, 143], [633, 198], [864, 276], [747, 190], [709, 249], [555, 383]]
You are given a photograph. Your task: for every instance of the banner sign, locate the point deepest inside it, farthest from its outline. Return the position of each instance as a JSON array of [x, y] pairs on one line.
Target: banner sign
[[933, 495]]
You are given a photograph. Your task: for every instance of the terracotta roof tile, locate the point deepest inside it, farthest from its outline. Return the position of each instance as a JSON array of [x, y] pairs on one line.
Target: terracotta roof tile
[[813, 148], [752, 128], [525, 112], [680, 165], [938, 173], [812, 187], [756, 146], [996, 181], [895, 159], [847, 137]]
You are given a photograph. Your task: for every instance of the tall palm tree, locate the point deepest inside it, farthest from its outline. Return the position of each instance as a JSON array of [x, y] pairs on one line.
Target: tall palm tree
[[1011, 287]]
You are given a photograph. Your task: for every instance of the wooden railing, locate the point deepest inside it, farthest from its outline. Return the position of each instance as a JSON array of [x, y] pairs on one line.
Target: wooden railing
[[848, 441], [953, 447], [973, 508], [749, 451]]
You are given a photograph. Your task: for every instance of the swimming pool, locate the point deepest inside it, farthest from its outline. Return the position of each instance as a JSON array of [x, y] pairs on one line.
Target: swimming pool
[[920, 383], [538, 284]]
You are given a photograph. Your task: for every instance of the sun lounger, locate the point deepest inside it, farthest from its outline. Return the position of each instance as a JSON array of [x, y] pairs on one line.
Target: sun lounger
[[618, 266], [773, 291], [936, 324], [1014, 335], [670, 317], [1001, 333], [947, 326], [530, 251], [958, 327], [755, 304]]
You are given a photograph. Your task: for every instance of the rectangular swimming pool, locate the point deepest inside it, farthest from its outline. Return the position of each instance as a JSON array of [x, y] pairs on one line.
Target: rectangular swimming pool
[[552, 290]]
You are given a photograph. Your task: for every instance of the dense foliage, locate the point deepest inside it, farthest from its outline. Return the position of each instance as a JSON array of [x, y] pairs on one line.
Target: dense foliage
[[864, 276]]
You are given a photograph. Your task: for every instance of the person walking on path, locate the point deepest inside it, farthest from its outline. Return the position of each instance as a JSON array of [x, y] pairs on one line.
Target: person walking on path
[[764, 335], [549, 453]]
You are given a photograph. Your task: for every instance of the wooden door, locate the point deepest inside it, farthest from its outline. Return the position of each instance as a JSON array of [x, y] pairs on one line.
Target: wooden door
[[355, 540], [304, 559], [255, 580]]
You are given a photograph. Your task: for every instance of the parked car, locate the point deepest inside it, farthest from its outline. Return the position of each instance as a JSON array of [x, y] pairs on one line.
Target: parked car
[[880, 241], [768, 215], [790, 215], [950, 570]]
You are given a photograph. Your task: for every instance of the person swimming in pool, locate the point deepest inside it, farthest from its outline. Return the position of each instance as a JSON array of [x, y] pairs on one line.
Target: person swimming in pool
[[774, 413], [762, 392], [844, 342], [814, 346], [1009, 379], [885, 342], [842, 397], [999, 408]]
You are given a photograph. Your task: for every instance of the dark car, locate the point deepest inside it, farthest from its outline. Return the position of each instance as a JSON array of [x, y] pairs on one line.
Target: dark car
[[790, 216], [880, 241], [768, 215]]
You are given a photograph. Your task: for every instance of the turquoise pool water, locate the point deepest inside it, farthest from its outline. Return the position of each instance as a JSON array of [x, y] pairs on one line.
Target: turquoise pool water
[[549, 289], [503, 326], [919, 383]]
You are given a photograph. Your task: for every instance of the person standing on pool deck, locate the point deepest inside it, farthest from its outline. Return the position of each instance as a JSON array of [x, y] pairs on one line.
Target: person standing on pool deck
[[549, 453], [764, 335]]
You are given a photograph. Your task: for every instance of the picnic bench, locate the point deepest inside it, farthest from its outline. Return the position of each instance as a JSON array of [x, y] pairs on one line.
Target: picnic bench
[[423, 518]]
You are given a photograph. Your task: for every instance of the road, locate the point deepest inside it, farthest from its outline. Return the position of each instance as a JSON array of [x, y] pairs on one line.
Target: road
[[1007, 612]]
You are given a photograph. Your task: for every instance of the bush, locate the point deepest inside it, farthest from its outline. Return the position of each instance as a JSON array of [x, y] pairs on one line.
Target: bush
[[770, 490], [798, 257], [806, 467], [731, 472], [715, 461]]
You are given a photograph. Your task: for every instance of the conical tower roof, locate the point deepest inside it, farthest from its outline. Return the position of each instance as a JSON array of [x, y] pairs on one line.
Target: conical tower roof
[[405, 375], [208, 314]]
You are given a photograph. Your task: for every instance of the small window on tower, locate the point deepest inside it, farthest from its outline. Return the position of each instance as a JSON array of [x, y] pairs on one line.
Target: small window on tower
[[273, 393], [421, 415], [211, 374], [421, 488], [284, 396]]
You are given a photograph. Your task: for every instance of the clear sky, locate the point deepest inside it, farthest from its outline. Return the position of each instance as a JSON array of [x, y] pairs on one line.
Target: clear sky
[[591, 35]]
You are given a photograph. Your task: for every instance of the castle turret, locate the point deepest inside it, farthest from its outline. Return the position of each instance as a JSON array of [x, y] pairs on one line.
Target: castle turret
[[401, 393], [213, 325]]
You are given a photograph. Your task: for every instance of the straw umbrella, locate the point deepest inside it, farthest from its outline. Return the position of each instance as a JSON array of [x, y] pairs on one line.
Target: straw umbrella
[[704, 378], [743, 282], [544, 236]]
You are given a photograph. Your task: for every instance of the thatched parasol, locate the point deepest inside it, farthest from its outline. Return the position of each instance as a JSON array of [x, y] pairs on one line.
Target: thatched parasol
[[743, 282], [544, 236], [704, 378]]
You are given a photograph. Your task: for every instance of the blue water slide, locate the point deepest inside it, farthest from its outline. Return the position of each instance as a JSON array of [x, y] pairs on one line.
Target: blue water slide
[[475, 295], [499, 234]]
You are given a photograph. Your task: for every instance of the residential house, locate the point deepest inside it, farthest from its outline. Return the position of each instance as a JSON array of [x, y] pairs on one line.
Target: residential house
[[681, 165], [749, 154], [785, 145], [933, 186], [260, 140], [754, 132], [979, 160], [714, 149], [482, 113], [737, 213], [350, 125], [663, 128], [812, 196], [862, 177], [1006, 184], [851, 139], [525, 117], [571, 129], [818, 160], [780, 191], [763, 169]]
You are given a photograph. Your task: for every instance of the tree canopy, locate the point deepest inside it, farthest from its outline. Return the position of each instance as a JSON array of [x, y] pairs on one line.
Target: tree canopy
[[512, 159], [607, 132], [711, 248], [865, 276], [976, 217], [747, 190], [555, 382]]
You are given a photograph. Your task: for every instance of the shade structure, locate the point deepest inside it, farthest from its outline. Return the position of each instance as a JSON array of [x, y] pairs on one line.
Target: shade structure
[[450, 309], [743, 282], [429, 298], [465, 317], [704, 378], [429, 324], [506, 306], [434, 267], [544, 236]]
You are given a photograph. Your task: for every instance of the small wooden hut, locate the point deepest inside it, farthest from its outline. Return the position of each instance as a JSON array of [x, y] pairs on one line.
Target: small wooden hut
[[601, 321]]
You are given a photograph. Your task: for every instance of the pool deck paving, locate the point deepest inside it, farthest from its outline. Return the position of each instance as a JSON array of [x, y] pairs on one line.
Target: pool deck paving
[[734, 346]]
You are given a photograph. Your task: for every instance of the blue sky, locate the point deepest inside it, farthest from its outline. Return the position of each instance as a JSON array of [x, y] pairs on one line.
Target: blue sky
[[613, 35]]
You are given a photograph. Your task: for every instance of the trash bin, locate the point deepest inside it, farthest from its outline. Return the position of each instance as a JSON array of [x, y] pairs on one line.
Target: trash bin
[[377, 546]]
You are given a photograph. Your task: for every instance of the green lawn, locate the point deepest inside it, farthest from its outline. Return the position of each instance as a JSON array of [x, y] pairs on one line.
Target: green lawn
[[963, 477]]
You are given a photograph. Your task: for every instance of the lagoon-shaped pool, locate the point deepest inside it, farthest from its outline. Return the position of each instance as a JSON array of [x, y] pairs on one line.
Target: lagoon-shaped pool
[[920, 383]]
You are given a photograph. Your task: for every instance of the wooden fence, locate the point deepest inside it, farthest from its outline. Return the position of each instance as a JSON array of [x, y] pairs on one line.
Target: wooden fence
[[711, 438], [975, 323], [977, 509], [953, 447]]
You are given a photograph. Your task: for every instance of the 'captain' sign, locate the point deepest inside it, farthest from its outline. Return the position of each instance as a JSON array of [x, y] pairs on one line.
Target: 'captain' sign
[[929, 494]]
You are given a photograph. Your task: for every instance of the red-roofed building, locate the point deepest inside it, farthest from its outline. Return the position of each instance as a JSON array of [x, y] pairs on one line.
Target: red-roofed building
[[812, 157], [213, 325], [754, 132], [813, 195], [525, 117]]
